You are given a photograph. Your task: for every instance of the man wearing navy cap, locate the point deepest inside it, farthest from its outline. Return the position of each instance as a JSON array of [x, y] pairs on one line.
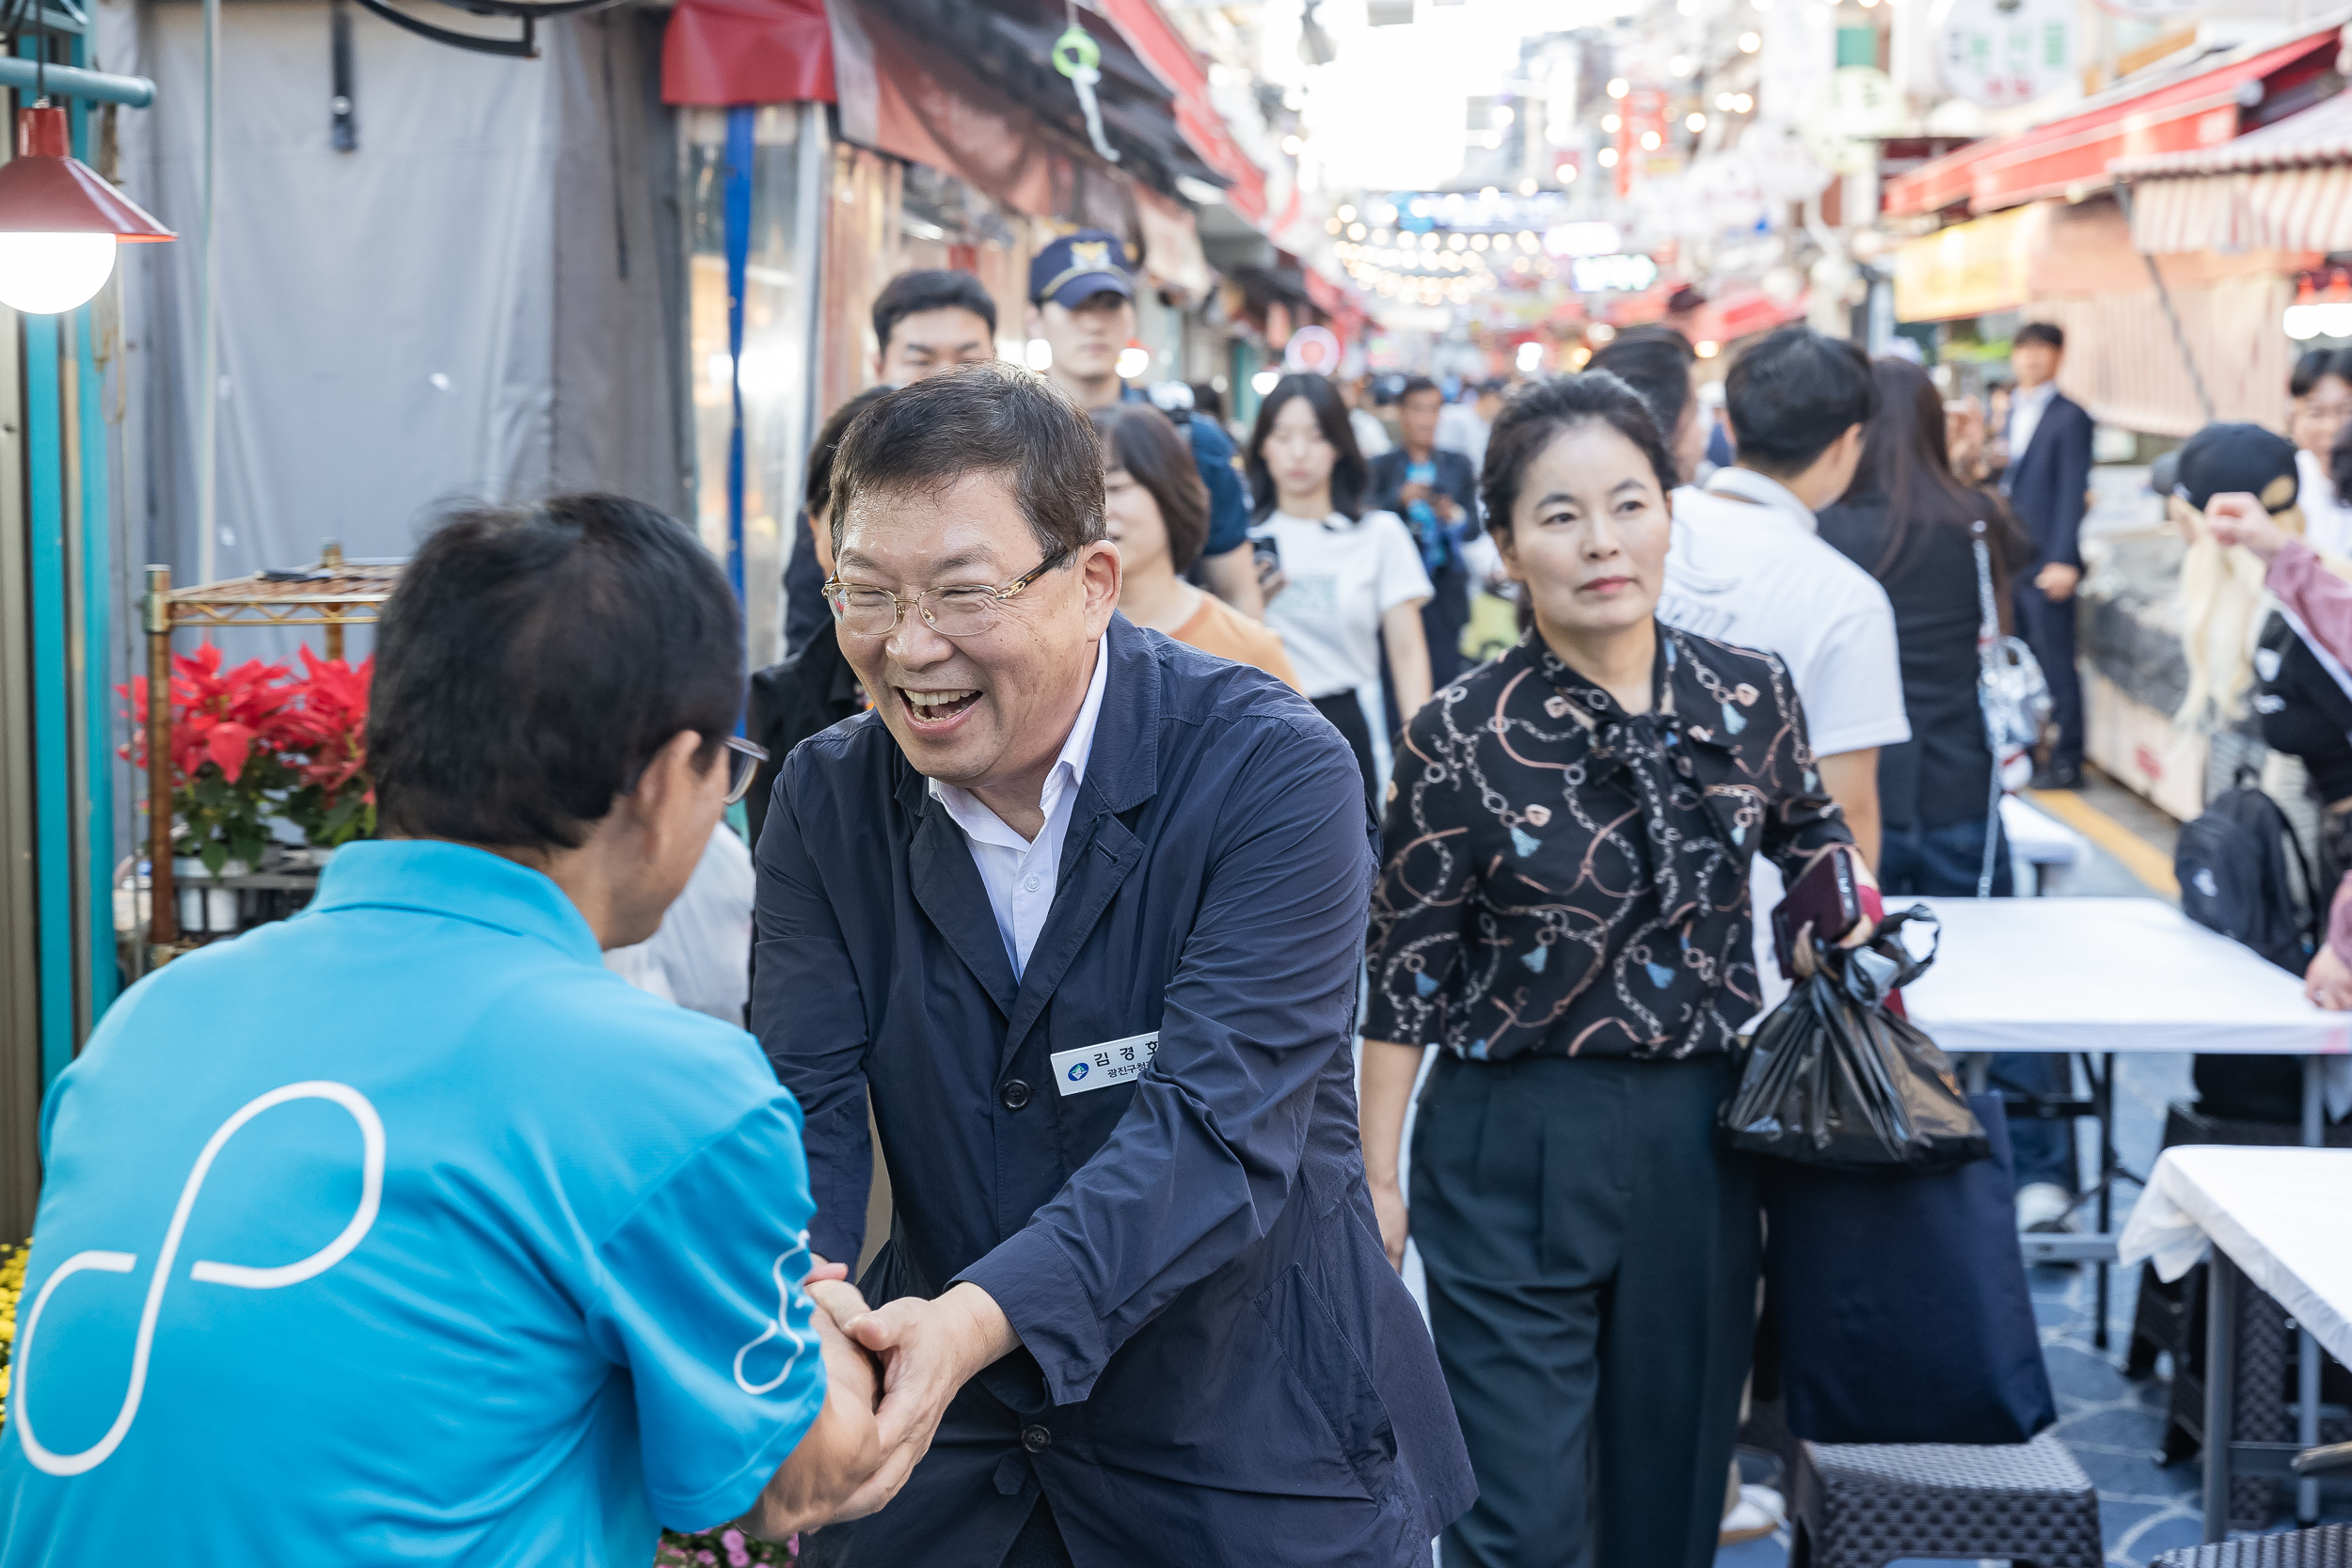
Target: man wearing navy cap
[[1082, 303]]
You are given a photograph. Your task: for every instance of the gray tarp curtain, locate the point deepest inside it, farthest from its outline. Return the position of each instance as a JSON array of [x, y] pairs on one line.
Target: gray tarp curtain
[[485, 300]]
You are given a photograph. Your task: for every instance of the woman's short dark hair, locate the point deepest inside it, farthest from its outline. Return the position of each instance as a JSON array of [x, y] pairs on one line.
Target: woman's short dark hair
[[533, 662], [1350, 475], [990, 417], [1656, 362], [1137, 437], [1546, 409], [929, 289], [819, 488], [1793, 394]]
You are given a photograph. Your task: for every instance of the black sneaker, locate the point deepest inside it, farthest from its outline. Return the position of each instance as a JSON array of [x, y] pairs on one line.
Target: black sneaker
[[2056, 778]]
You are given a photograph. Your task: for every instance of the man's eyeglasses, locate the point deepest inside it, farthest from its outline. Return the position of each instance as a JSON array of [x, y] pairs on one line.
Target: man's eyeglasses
[[744, 760], [964, 611]]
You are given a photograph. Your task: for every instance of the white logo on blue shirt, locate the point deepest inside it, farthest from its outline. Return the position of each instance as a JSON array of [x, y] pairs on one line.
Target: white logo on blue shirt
[[779, 1326], [206, 1271]]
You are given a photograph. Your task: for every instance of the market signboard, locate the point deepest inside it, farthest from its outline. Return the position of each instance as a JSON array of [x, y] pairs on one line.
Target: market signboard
[[2003, 53], [1969, 269]]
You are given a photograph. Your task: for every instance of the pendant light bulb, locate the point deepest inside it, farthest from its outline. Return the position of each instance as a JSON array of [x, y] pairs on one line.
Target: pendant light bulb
[[45, 275], [60, 223]]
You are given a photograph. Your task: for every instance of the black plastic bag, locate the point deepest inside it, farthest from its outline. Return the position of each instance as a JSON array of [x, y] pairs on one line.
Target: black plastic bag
[[1833, 1078]]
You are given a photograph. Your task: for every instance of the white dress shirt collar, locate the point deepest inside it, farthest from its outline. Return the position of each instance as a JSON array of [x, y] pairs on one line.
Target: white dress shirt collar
[[1020, 873], [1748, 485]]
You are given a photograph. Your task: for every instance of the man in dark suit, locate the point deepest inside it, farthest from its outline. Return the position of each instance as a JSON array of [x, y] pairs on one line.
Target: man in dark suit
[[2048, 485], [1435, 492], [1082, 911]]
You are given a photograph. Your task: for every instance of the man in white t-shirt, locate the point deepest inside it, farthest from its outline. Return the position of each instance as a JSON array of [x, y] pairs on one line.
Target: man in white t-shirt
[[1747, 567]]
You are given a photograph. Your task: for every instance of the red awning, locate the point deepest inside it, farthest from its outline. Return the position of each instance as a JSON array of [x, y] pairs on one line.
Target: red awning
[[1155, 38], [721, 52], [2072, 155], [1742, 313]]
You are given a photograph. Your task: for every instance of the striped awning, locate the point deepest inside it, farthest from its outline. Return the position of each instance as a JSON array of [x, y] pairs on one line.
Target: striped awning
[[2287, 186]]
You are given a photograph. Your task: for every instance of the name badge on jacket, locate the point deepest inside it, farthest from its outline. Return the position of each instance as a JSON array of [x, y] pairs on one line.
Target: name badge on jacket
[[1098, 1066]]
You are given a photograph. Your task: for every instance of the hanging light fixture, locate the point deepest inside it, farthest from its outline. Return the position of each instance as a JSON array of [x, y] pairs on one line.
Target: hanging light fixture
[[60, 222]]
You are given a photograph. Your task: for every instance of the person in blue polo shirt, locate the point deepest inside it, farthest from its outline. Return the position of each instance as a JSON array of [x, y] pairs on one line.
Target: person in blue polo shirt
[[402, 1231], [1082, 304]]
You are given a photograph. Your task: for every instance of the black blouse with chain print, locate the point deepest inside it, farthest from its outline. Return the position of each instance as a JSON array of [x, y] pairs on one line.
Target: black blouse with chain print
[[1563, 878]]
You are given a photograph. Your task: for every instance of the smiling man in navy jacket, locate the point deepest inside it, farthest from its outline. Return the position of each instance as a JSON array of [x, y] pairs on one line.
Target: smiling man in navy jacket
[[1083, 908]]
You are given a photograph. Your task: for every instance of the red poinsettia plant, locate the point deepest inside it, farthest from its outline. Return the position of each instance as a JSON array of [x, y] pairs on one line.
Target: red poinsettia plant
[[228, 766], [252, 743], [335, 800]]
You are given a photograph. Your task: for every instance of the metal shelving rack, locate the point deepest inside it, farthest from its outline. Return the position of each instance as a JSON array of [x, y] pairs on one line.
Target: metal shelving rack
[[333, 593]]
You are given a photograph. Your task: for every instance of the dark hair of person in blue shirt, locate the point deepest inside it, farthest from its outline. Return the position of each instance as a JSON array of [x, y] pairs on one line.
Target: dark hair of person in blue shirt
[[1792, 394], [1351, 476], [535, 659]]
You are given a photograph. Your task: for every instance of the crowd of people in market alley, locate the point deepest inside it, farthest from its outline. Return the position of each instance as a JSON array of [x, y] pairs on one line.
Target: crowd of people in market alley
[[997, 1156]]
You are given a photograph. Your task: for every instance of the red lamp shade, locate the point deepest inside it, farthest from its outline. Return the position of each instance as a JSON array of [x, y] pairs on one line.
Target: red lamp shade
[[45, 190]]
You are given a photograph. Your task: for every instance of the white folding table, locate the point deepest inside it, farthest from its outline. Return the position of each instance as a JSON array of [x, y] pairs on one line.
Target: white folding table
[[2100, 977], [2105, 976], [2284, 1216]]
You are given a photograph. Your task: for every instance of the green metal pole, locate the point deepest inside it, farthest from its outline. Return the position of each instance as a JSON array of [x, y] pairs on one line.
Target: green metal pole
[[98, 600], [56, 856]]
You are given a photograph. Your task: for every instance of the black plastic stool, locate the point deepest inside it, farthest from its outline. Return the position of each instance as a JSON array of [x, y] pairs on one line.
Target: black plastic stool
[[1865, 1505]]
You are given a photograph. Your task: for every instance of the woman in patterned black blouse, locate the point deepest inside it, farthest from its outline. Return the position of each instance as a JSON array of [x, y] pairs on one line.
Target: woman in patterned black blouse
[[1564, 910]]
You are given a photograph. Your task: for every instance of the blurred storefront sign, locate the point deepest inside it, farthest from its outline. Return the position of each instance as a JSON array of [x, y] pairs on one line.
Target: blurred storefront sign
[[1970, 269], [2072, 155], [1843, 124], [2003, 53], [1593, 275], [1641, 138]]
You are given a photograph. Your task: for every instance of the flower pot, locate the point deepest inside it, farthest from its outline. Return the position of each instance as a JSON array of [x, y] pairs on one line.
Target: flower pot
[[206, 909]]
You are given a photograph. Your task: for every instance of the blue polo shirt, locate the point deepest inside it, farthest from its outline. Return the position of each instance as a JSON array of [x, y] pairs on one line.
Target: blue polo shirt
[[402, 1231]]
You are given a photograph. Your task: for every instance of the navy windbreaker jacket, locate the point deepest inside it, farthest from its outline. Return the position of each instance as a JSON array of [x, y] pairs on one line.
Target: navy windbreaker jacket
[[1217, 1363]]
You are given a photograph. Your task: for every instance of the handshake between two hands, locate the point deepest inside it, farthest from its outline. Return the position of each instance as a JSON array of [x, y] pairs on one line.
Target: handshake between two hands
[[890, 1373]]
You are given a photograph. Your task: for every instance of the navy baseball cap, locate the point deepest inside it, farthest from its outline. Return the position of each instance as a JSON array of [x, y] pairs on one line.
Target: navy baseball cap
[[1077, 267], [2236, 457]]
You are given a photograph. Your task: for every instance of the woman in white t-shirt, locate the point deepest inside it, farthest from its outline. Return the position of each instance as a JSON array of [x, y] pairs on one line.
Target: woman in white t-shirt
[[1349, 578]]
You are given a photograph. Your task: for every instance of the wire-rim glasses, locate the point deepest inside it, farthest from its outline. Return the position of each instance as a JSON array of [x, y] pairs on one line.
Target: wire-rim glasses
[[962, 609], [744, 760]]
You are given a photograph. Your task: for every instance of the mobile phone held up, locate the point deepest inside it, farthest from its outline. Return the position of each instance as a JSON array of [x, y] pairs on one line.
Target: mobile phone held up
[[1828, 898]]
